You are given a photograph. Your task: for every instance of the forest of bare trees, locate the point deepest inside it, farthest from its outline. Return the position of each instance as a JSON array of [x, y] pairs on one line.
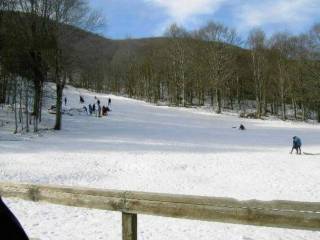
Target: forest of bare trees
[[44, 41], [257, 76], [36, 47]]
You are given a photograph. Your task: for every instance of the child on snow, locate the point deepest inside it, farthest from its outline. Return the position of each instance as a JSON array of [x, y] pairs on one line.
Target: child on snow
[[242, 127], [104, 111]]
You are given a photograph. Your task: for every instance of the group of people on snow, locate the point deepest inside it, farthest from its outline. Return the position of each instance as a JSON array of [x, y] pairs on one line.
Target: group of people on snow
[[96, 107]]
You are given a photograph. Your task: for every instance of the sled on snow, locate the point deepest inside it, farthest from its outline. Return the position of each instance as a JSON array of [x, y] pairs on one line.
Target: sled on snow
[[313, 154]]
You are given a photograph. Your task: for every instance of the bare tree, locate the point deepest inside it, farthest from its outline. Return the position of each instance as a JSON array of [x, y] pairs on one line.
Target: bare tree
[[219, 59], [177, 52], [65, 13], [280, 43], [257, 44]]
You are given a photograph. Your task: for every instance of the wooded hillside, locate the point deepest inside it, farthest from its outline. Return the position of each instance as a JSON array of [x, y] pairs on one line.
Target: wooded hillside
[[279, 75]]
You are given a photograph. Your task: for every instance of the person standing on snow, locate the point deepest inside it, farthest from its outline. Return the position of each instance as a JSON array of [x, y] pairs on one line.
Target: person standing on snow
[[296, 144], [90, 109], [65, 101], [99, 110], [85, 109], [81, 99], [109, 102]]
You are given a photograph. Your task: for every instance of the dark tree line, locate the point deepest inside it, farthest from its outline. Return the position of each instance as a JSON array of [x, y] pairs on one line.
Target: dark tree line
[[36, 46]]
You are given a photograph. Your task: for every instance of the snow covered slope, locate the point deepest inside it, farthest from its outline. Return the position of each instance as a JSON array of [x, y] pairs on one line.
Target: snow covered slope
[[160, 149]]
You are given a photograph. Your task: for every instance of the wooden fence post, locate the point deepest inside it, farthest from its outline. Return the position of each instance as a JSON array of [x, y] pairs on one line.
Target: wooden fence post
[[129, 226]]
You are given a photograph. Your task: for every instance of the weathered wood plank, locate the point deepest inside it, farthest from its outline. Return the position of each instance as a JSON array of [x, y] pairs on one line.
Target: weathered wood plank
[[129, 226], [225, 202], [245, 215], [72, 196], [282, 214]]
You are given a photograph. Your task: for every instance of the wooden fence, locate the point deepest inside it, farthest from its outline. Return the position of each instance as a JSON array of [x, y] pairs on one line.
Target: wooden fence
[[280, 214]]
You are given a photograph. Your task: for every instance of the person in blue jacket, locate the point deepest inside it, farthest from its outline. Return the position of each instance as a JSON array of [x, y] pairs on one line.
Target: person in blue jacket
[[296, 144]]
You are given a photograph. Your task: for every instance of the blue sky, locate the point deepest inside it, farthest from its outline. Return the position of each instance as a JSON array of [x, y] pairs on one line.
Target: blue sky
[[147, 18]]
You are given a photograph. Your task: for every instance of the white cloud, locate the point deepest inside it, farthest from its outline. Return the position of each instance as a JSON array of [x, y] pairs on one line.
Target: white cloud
[[291, 12], [241, 14], [181, 11]]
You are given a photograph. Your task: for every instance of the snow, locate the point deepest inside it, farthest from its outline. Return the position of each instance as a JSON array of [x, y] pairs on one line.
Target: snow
[[150, 148]]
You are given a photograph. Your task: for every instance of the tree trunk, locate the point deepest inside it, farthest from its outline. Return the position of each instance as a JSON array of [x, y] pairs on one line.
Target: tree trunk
[[283, 106], [27, 105], [36, 106], [211, 97], [265, 106], [218, 99], [258, 102], [15, 106], [40, 102], [303, 112], [231, 102], [294, 108], [3, 90], [20, 106], [59, 92]]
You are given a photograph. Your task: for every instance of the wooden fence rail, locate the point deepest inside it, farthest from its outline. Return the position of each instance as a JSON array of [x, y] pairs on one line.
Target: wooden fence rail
[[280, 214]]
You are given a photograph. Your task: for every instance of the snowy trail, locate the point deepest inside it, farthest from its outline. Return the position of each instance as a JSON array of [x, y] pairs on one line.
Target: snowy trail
[[160, 149]]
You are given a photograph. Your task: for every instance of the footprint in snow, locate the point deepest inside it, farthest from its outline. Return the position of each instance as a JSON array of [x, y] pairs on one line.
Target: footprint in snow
[[246, 238]]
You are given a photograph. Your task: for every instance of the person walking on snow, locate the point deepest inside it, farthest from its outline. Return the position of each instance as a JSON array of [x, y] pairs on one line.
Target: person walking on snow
[[109, 102], [65, 101], [296, 144]]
